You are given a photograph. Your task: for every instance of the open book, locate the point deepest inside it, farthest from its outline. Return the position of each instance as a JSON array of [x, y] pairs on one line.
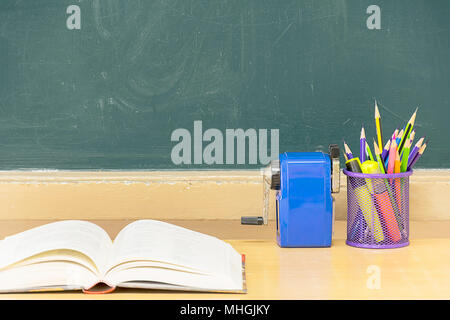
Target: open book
[[73, 255]]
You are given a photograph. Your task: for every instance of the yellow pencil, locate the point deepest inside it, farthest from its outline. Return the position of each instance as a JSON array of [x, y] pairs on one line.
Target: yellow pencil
[[378, 127]]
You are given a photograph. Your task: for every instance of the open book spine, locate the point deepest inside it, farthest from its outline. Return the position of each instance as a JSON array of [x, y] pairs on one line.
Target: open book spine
[[99, 288], [244, 278]]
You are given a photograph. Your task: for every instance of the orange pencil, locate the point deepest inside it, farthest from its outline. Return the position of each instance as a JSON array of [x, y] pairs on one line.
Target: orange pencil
[[397, 162]]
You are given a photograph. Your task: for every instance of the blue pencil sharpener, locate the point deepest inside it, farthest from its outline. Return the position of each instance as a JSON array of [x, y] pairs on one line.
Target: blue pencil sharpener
[[304, 183]]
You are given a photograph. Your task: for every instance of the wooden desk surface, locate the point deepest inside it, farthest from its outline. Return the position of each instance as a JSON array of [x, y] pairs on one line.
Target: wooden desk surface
[[419, 271]]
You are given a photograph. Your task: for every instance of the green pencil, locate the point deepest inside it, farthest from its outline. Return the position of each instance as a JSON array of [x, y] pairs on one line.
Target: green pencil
[[408, 129], [380, 162], [405, 156], [369, 153]]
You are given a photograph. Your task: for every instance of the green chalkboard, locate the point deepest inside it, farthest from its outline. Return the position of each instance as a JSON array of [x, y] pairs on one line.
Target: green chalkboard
[[108, 90]]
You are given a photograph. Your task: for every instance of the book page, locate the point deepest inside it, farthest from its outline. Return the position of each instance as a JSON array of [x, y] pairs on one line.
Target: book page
[[142, 276], [51, 274], [65, 255], [176, 246], [81, 236]]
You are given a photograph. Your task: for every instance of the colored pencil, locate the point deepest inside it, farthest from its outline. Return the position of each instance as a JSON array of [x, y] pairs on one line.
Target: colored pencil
[[408, 130], [411, 139], [365, 201], [418, 155], [412, 136], [362, 146], [348, 151], [397, 163], [414, 151], [398, 138], [382, 202], [404, 165], [386, 150], [377, 154], [397, 181], [394, 136], [369, 152], [378, 126], [388, 187], [392, 151]]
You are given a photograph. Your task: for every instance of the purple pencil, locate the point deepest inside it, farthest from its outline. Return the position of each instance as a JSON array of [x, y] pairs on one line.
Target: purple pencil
[[418, 155], [362, 146], [414, 151], [348, 151], [386, 150]]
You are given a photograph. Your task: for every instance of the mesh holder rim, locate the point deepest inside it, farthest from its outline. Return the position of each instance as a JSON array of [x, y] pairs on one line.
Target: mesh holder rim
[[378, 210], [380, 175]]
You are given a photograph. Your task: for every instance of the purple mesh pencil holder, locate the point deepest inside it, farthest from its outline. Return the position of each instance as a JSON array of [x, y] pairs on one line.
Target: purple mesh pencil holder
[[377, 210]]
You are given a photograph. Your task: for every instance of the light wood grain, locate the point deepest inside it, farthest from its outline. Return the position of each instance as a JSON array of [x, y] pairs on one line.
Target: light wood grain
[[419, 271]]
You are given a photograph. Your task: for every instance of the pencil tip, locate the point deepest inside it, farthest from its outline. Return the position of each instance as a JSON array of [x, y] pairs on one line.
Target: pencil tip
[[413, 117], [420, 142], [375, 147], [423, 147], [393, 143], [377, 112], [407, 143]]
